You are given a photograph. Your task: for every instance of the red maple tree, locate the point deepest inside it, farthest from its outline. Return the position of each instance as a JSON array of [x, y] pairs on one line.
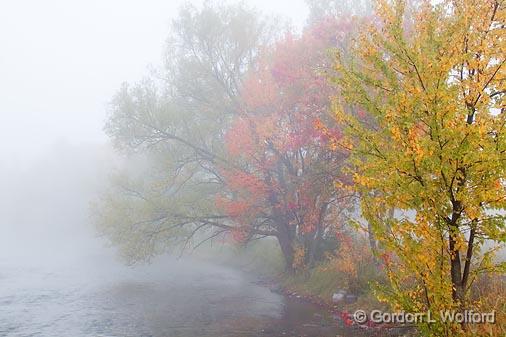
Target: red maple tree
[[283, 183]]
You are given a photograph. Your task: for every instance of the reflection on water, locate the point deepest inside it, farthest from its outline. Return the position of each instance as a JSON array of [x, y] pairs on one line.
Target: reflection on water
[[169, 298]]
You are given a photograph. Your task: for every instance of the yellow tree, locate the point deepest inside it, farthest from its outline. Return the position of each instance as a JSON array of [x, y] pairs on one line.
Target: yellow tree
[[422, 99]]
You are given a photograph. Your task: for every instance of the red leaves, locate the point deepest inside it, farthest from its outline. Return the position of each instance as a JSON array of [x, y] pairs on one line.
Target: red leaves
[[246, 197], [347, 318], [386, 258], [239, 139], [239, 234], [246, 183], [277, 139], [282, 73], [361, 114], [233, 208]]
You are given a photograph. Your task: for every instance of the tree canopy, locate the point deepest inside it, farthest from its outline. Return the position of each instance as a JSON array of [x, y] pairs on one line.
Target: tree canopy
[[283, 183], [175, 120], [431, 79]]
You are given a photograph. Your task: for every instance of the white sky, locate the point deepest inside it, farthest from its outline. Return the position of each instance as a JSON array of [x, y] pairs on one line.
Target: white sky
[[62, 60]]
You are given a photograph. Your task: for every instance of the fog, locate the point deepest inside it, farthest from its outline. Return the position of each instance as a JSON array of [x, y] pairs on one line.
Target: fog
[[45, 205], [60, 64], [249, 168], [62, 61]]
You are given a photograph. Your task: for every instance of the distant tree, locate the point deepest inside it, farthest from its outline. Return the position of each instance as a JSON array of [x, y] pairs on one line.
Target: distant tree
[[324, 9], [175, 121], [283, 183], [431, 81]]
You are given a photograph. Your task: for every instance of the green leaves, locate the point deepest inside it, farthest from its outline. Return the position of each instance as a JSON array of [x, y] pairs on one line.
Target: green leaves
[[172, 125]]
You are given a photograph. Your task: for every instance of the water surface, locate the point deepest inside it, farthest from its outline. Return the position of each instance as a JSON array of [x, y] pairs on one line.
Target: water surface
[[186, 298]]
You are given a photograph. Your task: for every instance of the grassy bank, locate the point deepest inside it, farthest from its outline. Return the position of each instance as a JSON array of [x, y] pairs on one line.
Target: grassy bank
[[322, 281]]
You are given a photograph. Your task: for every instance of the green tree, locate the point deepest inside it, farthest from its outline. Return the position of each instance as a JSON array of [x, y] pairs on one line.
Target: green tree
[[174, 121], [325, 9]]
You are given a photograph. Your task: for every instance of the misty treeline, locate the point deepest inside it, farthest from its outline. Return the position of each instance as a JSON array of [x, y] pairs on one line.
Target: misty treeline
[[380, 121]]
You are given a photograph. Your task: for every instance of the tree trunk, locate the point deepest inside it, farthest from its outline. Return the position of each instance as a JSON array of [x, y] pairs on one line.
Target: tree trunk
[[287, 249], [456, 272], [372, 243], [317, 237], [314, 248]]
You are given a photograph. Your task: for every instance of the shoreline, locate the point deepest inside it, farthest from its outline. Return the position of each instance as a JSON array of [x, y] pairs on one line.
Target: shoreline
[[341, 315]]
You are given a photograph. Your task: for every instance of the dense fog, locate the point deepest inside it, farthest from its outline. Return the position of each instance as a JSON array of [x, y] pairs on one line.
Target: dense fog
[[45, 204], [303, 168]]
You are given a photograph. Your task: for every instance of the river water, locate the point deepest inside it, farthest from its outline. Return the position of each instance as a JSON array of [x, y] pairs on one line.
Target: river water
[[96, 297]]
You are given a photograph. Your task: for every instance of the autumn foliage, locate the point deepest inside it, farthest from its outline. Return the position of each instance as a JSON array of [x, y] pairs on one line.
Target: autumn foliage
[[430, 163], [401, 112], [283, 180]]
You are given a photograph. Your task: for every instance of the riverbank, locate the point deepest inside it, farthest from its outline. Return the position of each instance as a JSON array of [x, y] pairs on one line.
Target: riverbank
[[343, 311], [317, 286]]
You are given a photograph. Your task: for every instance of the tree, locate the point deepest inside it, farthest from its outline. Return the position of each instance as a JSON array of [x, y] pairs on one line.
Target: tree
[[282, 185], [431, 78], [337, 9], [174, 121]]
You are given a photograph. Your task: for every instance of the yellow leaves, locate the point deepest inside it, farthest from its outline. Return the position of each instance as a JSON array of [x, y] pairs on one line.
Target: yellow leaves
[[342, 187], [424, 230], [362, 180], [460, 244], [396, 133], [472, 212], [345, 143], [340, 115], [353, 253], [421, 154], [414, 90]]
